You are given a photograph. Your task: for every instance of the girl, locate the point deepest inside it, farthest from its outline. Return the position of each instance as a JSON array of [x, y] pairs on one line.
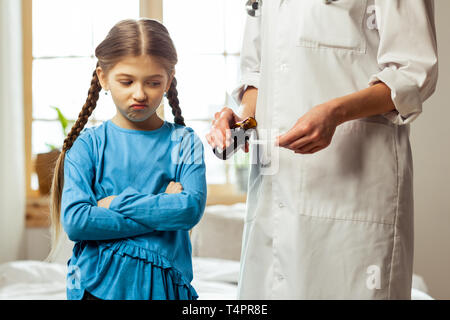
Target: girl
[[128, 190]]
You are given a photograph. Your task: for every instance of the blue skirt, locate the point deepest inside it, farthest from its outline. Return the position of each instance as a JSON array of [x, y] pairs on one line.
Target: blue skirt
[[119, 271]]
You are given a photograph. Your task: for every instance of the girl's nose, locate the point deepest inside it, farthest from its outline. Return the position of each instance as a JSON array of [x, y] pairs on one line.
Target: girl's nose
[[139, 94]]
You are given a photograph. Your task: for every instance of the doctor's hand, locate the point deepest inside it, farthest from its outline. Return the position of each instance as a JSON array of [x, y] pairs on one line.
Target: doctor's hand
[[220, 133], [312, 132], [105, 202]]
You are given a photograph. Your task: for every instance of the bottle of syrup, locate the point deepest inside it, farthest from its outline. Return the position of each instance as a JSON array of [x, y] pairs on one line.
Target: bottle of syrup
[[240, 134]]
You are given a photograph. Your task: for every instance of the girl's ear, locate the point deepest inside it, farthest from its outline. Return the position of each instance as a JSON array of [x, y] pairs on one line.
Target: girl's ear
[[102, 78], [170, 81]]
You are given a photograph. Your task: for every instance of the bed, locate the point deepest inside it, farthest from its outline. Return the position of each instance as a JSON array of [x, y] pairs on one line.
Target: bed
[[214, 279], [216, 244]]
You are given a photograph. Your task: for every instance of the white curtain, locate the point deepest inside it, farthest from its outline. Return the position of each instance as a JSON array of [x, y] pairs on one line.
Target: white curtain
[[12, 158]]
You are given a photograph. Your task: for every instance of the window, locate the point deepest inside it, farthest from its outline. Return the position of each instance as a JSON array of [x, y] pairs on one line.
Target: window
[[207, 35], [64, 36]]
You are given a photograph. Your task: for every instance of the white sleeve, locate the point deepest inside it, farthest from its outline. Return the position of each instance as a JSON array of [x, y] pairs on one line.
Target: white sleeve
[[407, 55], [250, 57]]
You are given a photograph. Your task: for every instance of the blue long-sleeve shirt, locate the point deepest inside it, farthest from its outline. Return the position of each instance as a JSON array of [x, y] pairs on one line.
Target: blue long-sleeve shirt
[[116, 249]]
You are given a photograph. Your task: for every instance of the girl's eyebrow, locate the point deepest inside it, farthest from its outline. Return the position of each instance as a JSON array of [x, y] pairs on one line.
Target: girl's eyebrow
[[130, 76]]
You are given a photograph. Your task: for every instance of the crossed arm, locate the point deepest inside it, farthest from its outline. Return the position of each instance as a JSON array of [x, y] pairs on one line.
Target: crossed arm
[[130, 213], [173, 187]]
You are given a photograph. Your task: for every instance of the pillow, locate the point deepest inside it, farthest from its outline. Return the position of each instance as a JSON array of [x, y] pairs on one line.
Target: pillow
[[219, 232]]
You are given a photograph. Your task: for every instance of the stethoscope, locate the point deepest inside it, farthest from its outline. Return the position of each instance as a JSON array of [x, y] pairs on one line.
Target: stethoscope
[[253, 7]]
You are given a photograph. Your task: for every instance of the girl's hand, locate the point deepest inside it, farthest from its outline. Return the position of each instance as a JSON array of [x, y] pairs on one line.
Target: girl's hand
[[105, 202], [174, 187], [313, 131]]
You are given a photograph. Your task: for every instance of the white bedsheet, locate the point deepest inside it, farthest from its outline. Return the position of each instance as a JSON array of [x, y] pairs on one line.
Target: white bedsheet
[[214, 279]]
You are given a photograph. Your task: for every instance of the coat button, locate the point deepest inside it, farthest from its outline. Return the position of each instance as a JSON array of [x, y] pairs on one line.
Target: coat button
[[281, 205]]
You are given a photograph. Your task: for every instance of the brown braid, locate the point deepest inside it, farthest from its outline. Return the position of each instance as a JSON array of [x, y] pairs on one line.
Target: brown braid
[[172, 97], [58, 176], [86, 111]]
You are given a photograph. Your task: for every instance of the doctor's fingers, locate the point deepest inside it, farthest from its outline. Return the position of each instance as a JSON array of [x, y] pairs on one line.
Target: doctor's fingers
[[311, 148], [214, 137], [220, 131], [300, 143], [290, 137], [221, 136], [209, 139], [210, 135], [306, 148]]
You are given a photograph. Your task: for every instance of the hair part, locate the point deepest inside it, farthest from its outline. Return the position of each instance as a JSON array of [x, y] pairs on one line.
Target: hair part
[[127, 38]]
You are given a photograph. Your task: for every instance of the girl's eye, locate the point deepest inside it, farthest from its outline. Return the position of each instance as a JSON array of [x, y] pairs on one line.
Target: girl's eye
[[126, 83], [155, 84]]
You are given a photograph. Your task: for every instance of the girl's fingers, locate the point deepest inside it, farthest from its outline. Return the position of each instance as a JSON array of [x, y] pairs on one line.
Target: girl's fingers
[[175, 187]]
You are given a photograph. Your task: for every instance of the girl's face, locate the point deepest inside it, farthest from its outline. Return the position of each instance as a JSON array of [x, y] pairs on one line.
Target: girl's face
[[137, 86]]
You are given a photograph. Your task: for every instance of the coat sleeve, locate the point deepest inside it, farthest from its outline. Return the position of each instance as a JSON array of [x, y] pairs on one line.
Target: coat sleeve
[[407, 55], [170, 212], [81, 218], [250, 57]]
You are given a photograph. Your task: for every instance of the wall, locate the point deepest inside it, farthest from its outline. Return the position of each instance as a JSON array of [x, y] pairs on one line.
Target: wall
[[430, 139], [12, 162]]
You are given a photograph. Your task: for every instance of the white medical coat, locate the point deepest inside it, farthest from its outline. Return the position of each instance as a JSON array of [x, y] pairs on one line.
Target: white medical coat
[[337, 224]]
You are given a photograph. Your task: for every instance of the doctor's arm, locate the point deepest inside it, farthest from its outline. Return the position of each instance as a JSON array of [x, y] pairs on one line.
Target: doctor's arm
[[407, 77], [407, 55], [247, 90]]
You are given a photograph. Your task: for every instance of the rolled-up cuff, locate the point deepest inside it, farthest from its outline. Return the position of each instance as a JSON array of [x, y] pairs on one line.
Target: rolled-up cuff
[[250, 79], [404, 93]]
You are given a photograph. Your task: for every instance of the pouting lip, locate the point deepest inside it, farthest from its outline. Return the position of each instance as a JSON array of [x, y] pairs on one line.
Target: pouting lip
[[139, 105]]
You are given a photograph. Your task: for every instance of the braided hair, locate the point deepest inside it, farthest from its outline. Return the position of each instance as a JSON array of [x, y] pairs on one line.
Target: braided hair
[[126, 38], [58, 177], [172, 97]]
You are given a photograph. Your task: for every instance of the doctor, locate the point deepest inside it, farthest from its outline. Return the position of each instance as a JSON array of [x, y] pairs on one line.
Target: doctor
[[340, 81]]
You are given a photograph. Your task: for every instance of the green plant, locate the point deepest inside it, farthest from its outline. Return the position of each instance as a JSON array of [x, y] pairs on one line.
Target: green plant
[[65, 126]]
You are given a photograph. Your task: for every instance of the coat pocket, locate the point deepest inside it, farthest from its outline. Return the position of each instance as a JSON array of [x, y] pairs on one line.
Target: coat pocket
[[354, 178], [337, 25]]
